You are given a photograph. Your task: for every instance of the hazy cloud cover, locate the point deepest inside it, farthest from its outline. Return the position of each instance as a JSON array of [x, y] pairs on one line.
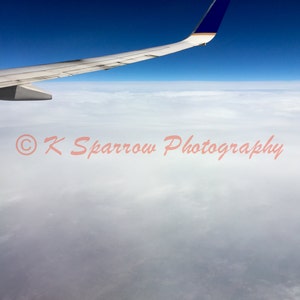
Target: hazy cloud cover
[[148, 226]]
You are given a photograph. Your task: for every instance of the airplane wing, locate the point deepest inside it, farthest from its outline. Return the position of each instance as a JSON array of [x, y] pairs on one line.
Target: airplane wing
[[15, 83]]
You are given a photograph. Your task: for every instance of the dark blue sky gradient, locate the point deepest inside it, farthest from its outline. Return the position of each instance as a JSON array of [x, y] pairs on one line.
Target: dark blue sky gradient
[[257, 40]]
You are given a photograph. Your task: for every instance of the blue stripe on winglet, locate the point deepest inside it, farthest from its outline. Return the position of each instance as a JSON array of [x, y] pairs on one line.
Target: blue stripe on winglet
[[213, 17]]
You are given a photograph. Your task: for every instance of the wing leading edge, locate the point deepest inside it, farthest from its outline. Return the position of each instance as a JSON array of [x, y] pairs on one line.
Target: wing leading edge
[[15, 84]]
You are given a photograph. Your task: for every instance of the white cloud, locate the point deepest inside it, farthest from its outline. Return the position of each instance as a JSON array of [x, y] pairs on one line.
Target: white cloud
[[151, 227]]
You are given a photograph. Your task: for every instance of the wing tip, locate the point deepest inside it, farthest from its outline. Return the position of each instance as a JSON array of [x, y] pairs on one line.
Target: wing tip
[[212, 19]]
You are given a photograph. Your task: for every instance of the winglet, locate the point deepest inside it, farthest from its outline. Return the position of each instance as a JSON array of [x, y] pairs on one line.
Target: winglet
[[210, 23]]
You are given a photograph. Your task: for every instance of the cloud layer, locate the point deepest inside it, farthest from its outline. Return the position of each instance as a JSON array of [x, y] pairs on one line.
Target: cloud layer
[[151, 227]]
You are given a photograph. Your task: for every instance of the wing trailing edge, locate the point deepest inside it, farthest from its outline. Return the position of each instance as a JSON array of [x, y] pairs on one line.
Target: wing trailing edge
[[23, 93], [15, 84]]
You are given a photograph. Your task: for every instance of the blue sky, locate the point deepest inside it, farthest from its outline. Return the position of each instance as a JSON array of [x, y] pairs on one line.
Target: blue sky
[[258, 40]]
